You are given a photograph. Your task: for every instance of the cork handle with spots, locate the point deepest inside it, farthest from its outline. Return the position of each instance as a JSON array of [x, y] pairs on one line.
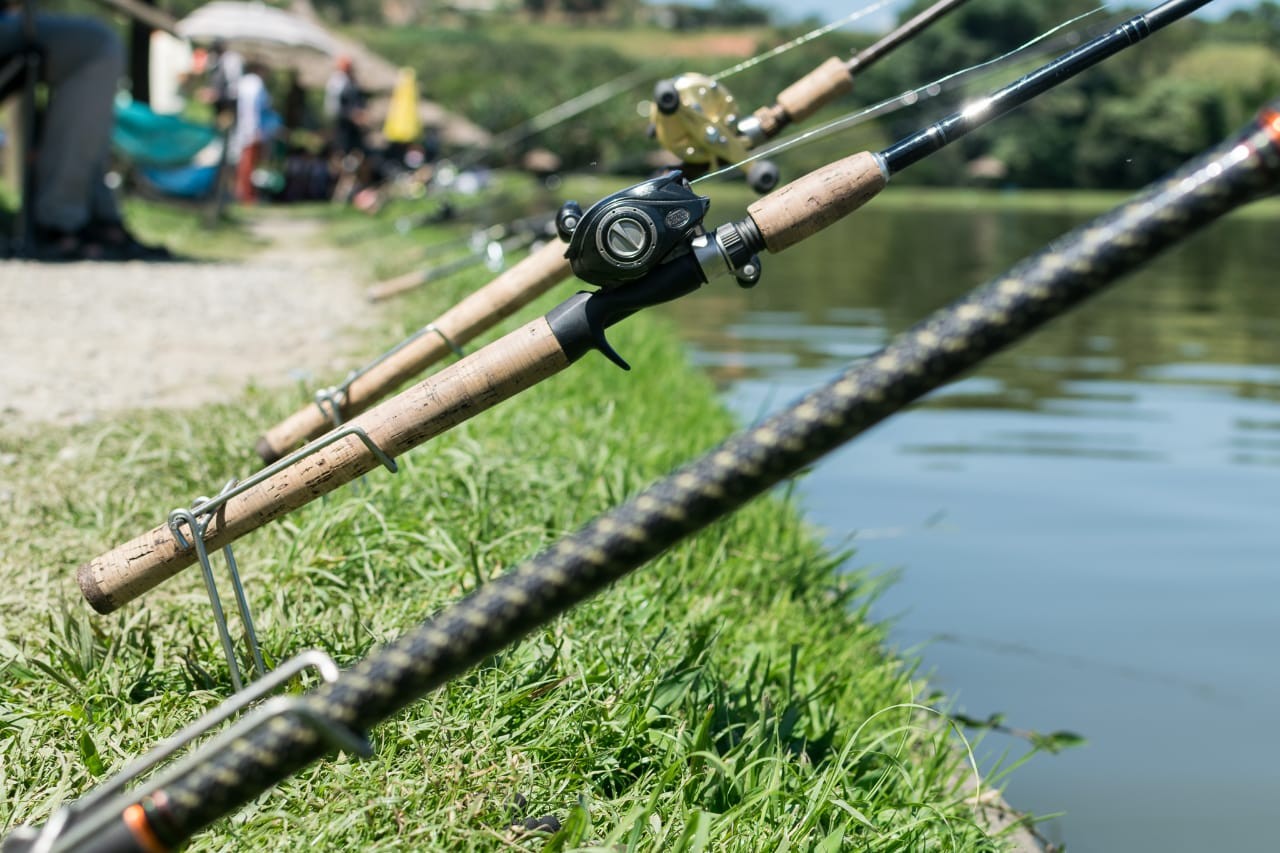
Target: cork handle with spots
[[476, 383], [517, 287], [811, 203], [815, 90]]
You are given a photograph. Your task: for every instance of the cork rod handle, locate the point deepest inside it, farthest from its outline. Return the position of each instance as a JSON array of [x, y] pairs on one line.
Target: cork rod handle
[[517, 287], [807, 205], [509, 365], [816, 89]]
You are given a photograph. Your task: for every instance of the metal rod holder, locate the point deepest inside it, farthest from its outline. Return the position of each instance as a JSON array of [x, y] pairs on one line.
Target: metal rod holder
[[77, 822], [330, 400], [197, 519]]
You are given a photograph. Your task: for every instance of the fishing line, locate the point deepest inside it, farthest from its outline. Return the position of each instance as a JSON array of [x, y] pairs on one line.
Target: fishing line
[[572, 107], [906, 99], [799, 40]]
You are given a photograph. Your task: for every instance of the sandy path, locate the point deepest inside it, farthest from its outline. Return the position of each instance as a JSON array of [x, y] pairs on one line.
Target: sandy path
[[80, 340]]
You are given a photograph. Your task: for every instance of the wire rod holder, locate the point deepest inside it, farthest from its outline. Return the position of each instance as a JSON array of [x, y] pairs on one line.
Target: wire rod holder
[[204, 510], [330, 400], [78, 822]]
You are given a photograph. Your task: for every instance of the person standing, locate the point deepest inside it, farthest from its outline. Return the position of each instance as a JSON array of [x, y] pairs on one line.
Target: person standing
[[225, 68], [344, 105], [249, 134], [75, 214]]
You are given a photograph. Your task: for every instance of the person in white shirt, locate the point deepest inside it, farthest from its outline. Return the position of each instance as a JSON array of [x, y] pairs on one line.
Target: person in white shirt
[[248, 137]]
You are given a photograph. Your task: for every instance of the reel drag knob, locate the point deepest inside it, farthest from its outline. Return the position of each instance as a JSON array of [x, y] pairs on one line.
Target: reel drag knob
[[567, 219]]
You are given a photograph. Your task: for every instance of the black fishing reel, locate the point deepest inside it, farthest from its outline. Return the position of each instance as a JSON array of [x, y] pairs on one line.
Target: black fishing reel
[[642, 246], [624, 236]]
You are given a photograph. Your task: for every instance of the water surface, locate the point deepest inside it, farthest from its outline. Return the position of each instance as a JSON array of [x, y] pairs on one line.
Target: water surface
[[1085, 531]]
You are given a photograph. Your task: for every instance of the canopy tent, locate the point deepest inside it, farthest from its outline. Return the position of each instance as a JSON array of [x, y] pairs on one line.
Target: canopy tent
[[297, 40], [374, 73], [277, 38]]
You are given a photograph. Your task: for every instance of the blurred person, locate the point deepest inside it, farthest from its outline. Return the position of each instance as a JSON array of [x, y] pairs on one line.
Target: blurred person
[[255, 124], [344, 105], [223, 68], [75, 213], [295, 103]]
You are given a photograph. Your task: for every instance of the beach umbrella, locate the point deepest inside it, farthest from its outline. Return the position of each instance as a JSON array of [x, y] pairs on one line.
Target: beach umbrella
[[258, 31]]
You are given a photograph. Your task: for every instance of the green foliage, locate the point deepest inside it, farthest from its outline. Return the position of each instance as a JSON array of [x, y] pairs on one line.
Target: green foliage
[[1120, 124]]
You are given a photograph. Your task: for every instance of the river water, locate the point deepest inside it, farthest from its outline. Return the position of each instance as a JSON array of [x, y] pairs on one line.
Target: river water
[[1085, 533]]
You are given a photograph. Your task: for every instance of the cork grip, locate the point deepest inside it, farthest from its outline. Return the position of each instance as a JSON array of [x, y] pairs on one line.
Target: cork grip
[[517, 287], [815, 90], [509, 365], [807, 205]]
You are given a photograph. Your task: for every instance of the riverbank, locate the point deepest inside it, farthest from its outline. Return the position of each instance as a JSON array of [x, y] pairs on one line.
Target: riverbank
[[730, 696]]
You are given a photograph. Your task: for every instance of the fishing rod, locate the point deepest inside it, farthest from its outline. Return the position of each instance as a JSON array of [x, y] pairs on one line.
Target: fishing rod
[[530, 279], [270, 744], [642, 246], [492, 252], [696, 118]]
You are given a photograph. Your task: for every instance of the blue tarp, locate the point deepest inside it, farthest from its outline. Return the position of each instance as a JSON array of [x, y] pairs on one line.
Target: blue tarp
[[182, 181], [149, 139]]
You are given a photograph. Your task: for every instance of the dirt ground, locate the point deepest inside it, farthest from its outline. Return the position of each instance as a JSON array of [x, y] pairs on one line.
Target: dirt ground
[[81, 340]]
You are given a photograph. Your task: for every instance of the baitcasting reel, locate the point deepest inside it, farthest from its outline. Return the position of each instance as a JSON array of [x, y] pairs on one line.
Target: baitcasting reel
[[643, 246], [696, 119], [628, 235]]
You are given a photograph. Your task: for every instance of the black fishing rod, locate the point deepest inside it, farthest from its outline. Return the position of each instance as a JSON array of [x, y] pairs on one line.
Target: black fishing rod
[[273, 743], [642, 246], [696, 118]]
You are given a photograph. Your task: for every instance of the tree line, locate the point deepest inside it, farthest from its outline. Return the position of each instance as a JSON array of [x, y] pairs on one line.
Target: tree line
[[1124, 122], [1119, 125]]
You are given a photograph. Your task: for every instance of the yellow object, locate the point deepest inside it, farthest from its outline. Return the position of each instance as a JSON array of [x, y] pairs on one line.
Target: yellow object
[[403, 123]]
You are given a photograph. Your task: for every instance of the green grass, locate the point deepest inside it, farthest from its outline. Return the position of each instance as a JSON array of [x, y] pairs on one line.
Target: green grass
[[730, 696]]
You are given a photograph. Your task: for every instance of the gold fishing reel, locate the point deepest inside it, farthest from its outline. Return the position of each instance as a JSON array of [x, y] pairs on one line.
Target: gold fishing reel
[[696, 119]]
